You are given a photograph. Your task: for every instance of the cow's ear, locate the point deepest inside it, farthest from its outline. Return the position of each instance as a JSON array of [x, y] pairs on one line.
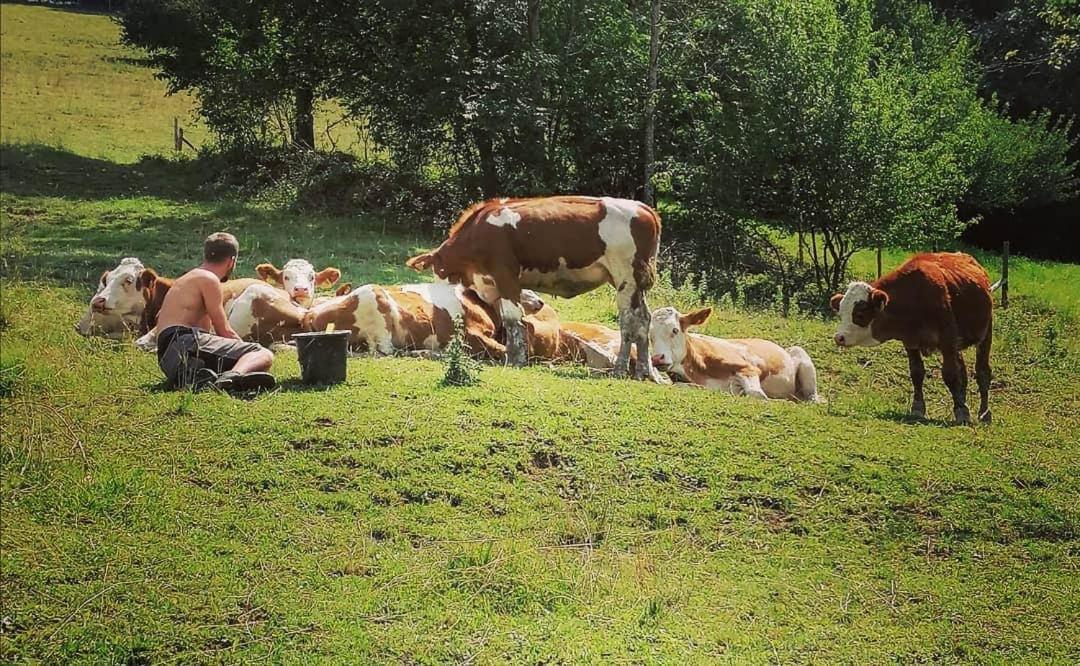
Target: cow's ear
[[326, 277], [695, 318], [421, 262], [104, 274], [879, 299], [343, 289], [146, 279], [834, 302], [269, 272]]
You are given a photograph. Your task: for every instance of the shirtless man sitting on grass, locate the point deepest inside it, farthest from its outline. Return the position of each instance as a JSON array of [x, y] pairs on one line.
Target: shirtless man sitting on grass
[[187, 354]]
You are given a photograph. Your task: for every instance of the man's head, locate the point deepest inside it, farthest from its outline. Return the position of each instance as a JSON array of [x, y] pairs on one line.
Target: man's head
[[219, 253]]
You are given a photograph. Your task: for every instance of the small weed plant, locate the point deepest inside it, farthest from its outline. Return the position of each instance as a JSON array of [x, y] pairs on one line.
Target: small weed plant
[[461, 369]]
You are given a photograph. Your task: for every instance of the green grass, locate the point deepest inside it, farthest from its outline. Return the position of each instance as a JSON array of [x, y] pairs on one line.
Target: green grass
[[539, 515]]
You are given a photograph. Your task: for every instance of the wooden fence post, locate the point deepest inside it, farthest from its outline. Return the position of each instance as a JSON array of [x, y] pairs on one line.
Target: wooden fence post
[[177, 145], [1005, 276], [879, 263]]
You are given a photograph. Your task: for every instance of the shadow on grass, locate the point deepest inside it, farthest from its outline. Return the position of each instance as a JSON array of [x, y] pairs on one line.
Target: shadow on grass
[[45, 171], [906, 418]]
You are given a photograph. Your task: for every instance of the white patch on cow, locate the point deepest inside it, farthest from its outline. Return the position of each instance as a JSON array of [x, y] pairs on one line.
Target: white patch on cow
[[851, 334], [440, 294], [431, 342], [370, 325], [241, 310], [505, 217], [148, 341]]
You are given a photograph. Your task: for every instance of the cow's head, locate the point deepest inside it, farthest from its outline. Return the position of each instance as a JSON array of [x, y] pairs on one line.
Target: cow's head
[[667, 335], [858, 307], [428, 261], [118, 303], [299, 278]]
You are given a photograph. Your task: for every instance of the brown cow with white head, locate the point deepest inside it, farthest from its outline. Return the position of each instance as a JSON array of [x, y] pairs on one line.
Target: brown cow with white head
[[565, 246], [934, 301]]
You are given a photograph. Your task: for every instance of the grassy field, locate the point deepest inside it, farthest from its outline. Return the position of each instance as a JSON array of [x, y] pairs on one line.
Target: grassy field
[[542, 515]]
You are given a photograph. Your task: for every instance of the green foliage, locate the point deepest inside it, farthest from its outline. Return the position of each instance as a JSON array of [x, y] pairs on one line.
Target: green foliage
[[461, 369]]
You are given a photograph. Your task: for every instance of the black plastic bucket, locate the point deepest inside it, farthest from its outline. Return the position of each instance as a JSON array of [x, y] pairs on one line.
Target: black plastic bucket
[[322, 356]]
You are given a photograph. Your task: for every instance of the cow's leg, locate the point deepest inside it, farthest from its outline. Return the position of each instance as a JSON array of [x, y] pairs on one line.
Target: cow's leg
[[955, 375], [750, 386], [918, 374], [982, 376], [511, 314], [624, 293], [643, 368], [482, 344]]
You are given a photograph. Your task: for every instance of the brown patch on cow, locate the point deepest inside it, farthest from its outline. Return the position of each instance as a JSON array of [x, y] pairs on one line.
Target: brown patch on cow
[[276, 319], [339, 311], [418, 320], [154, 288]]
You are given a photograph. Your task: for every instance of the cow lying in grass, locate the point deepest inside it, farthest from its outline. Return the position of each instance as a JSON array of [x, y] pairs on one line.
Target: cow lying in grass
[[934, 301], [746, 366], [419, 318], [299, 279], [117, 307]]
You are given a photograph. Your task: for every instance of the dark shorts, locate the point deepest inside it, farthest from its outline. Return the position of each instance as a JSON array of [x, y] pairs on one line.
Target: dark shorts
[[179, 345]]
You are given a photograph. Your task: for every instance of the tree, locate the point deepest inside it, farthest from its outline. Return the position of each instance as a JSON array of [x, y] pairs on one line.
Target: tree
[[253, 66]]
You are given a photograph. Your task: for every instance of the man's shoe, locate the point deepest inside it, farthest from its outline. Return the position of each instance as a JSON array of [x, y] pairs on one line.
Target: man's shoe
[[251, 381], [196, 379]]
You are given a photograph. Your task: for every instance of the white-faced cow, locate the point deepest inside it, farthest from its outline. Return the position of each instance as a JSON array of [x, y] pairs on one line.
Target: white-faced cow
[[117, 307], [933, 302], [299, 279], [557, 245], [744, 366]]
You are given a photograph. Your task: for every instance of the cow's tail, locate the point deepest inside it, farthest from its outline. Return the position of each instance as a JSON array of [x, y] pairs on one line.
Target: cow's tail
[[645, 266], [805, 375]]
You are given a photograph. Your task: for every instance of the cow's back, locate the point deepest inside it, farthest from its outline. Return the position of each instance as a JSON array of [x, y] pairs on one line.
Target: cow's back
[[944, 287]]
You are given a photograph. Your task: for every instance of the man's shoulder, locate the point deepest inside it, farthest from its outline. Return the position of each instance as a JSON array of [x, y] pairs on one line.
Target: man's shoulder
[[199, 275]]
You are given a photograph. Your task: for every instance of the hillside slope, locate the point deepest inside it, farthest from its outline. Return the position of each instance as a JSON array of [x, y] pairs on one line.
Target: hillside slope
[[543, 515]]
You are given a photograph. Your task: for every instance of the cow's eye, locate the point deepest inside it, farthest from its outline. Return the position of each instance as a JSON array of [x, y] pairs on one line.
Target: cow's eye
[[129, 280], [674, 331]]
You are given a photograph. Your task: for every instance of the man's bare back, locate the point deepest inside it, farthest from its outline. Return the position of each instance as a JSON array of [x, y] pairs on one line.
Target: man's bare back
[[195, 300]]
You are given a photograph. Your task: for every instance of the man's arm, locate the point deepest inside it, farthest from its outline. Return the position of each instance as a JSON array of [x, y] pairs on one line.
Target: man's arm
[[212, 297]]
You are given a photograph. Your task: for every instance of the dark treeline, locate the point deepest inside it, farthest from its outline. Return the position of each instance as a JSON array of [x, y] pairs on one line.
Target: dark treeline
[[777, 136]]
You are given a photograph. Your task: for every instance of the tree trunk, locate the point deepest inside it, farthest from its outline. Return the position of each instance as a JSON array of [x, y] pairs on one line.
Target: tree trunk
[[489, 174], [537, 150], [650, 102], [304, 121]]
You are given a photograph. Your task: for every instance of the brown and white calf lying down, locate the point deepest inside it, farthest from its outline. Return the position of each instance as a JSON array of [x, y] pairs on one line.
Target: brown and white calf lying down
[[933, 302], [419, 317], [130, 296], [563, 245], [745, 366]]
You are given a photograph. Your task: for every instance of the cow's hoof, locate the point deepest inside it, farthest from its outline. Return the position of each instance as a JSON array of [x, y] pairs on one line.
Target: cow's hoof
[[962, 415], [918, 410], [658, 377], [985, 417], [620, 373]]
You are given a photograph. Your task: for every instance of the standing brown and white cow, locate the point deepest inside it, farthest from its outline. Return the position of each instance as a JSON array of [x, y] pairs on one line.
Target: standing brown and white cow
[[934, 301], [565, 246]]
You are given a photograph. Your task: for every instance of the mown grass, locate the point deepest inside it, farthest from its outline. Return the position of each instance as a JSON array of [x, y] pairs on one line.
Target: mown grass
[[540, 515]]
